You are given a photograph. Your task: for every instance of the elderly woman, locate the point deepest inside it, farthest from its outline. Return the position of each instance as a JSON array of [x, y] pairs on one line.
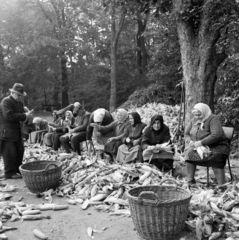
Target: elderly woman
[[205, 130], [41, 127], [131, 150], [120, 129], [154, 138], [57, 122], [67, 124]]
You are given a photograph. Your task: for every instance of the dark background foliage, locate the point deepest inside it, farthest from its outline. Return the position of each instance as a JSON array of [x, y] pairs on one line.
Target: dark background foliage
[[37, 35]]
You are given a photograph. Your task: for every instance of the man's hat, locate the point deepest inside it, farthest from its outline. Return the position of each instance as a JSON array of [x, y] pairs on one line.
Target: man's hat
[[18, 88]]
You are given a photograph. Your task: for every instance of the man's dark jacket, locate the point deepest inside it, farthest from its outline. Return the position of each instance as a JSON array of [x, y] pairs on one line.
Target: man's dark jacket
[[11, 117]]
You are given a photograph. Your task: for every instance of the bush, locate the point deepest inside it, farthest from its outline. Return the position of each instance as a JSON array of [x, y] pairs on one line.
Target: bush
[[153, 93]]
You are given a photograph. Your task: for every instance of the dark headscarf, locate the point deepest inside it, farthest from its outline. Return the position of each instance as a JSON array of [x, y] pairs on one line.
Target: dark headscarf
[[153, 119], [136, 117]]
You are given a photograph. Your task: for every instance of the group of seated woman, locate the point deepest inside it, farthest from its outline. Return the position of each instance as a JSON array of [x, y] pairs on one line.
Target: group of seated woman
[[205, 141], [126, 139]]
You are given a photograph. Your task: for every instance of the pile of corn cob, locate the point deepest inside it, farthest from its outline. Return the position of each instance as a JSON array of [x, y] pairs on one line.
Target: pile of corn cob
[[215, 214]]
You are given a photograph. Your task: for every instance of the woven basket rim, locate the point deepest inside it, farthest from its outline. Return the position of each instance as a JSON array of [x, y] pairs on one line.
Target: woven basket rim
[[59, 165], [159, 202]]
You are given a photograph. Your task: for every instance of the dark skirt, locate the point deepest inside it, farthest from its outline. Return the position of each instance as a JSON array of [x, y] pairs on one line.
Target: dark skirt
[[112, 147], [217, 160], [166, 164]]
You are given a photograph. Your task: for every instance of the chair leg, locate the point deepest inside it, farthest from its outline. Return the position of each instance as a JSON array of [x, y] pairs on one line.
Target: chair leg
[[86, 146], [207, 176], [229, 166]]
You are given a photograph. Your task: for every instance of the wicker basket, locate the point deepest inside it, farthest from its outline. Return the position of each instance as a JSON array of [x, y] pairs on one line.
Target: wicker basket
[[40, 176], [159, 212]]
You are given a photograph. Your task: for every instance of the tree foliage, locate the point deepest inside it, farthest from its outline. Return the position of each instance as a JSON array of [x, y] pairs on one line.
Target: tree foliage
[[61, 51]]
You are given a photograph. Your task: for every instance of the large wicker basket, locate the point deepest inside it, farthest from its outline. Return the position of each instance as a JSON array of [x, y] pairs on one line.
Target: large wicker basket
[[40, 176], [159, 212]]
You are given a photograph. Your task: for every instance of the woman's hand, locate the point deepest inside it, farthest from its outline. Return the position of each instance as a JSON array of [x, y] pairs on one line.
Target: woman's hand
[[94, 125], [158, 146], [127, 140], [135, 142], [111, 139], [151, 147], [195, 144]]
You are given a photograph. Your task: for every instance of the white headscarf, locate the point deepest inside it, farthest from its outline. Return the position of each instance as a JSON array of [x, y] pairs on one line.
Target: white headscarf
[[99, 115], [124, 115], [205, 110]]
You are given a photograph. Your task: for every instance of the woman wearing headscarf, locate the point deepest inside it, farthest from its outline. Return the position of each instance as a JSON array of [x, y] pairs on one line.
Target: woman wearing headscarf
[[153, 137], [57, 122], [67, 124], [103, 118], [205, 129], [120, 129], [131, 150]]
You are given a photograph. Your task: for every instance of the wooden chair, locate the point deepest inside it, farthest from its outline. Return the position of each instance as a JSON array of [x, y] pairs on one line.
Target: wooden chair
[[229, 134]]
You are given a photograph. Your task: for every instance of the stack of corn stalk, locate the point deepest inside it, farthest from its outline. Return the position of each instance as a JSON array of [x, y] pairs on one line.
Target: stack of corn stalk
[[95, 182], [215, 214]]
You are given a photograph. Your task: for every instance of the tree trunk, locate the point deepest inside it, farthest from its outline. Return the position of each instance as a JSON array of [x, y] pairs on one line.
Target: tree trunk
[[56, 91], [114, 42], [142, 57], [199, 58], [113, 76], [64, 81]]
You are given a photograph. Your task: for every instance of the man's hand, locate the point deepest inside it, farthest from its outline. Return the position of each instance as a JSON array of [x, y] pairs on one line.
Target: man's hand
[[71, 130]]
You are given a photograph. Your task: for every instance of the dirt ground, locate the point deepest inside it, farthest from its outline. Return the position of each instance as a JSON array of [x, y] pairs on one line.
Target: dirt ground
[[72, 224]]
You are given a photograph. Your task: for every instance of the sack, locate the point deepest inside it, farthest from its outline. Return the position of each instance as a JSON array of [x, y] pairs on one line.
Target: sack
[[202, 153], [194, 156]]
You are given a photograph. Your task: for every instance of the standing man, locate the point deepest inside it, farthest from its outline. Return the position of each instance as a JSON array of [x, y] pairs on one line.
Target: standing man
[[12, 117]]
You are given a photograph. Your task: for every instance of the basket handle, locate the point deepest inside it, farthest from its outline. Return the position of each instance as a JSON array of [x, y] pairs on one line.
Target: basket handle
[[51, 164], [26, 159], [148, 193], [171, 180]]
